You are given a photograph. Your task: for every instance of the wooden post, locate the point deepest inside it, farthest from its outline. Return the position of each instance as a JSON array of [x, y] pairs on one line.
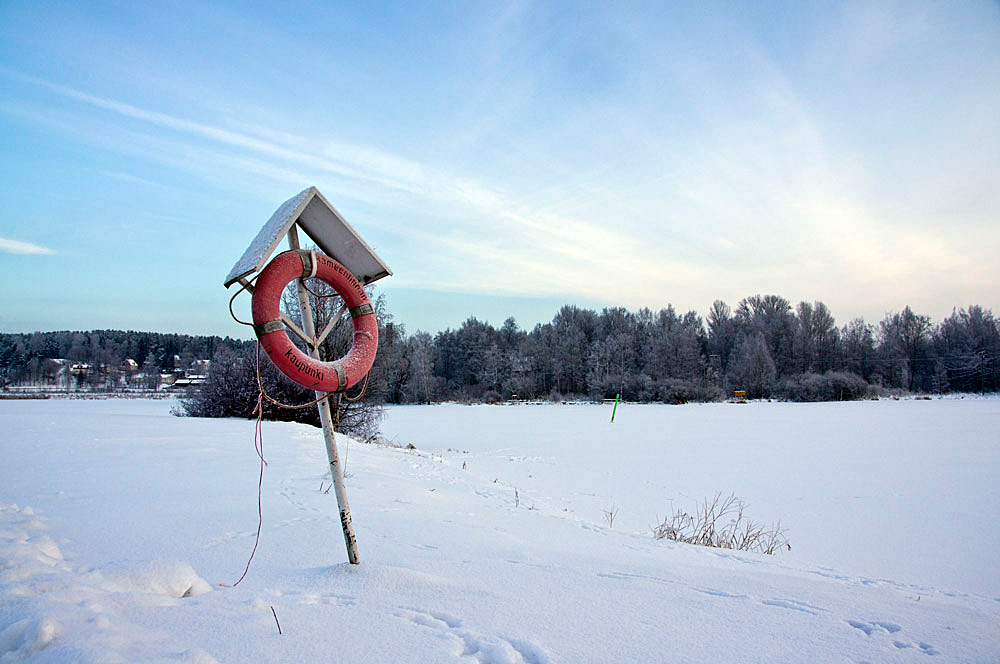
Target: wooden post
[[326, 418]]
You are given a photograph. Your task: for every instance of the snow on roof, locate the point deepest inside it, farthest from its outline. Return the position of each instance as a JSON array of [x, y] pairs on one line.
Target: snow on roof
[[324, 226]]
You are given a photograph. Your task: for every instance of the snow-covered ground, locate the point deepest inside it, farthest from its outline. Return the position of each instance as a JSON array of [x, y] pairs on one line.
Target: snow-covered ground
[[119, 521]]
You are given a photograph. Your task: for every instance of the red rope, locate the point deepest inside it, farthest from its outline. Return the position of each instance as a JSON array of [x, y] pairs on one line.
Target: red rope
[[258, 444], [258, 439]]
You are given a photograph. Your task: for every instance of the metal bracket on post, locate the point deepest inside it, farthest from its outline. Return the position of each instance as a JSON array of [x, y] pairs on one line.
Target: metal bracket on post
[[325, 416]]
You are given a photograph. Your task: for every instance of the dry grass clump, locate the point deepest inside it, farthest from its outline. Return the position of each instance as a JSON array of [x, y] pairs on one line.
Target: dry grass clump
[[721, 523]]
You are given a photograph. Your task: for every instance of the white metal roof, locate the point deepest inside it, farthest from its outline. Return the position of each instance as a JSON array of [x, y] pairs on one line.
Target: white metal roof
[[324, 226]]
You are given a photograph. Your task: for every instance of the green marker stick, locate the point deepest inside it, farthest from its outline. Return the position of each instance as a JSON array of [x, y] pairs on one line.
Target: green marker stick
[[613, 410]]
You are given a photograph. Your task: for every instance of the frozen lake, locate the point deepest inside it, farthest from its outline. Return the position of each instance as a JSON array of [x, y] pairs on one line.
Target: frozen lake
[[908, 489], [121, 527]]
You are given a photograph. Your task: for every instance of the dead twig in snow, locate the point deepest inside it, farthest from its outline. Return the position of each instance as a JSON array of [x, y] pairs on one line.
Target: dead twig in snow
[[276, 619], [610, 514]]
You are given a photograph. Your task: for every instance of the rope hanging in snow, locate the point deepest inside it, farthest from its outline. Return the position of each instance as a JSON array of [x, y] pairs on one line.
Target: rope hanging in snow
[[262, 330]]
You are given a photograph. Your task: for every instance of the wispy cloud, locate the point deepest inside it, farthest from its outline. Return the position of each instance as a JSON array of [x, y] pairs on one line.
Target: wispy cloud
[[17, 247], [130, 178], [491, 224]]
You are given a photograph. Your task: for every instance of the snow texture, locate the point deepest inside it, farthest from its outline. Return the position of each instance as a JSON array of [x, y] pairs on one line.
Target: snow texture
[[119, 523], [267, 239]]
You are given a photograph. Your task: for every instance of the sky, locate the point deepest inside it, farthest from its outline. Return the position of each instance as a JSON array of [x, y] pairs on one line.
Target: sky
[[504, 159]]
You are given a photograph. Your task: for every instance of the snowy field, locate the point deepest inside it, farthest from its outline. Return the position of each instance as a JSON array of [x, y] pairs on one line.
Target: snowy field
[[119, 522]]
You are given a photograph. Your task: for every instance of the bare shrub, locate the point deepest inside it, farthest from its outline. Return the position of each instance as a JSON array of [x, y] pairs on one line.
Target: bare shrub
[[232, 390], [610, 514], [831, 386], [677, 391], [720, 523]]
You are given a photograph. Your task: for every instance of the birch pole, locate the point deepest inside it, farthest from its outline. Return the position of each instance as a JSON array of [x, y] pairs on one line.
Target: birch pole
[[326, 418]]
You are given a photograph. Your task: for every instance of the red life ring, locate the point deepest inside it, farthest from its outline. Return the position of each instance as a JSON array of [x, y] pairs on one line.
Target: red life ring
[[320, 376]]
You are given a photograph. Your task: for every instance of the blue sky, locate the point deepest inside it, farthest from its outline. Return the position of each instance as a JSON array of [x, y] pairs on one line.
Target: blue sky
[[503, 158]]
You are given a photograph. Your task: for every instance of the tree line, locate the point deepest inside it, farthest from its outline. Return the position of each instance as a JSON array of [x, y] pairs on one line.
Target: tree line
[[763, 345], [43, 358]]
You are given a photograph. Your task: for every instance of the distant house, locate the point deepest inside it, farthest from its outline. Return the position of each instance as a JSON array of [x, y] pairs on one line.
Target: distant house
[[80, 369], [201, 366], [191, 380], [129, 365]]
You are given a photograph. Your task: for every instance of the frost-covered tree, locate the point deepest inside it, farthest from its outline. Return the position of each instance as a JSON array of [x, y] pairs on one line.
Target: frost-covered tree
[[573, 331], [904, 339], [674, 346], [614, 361], [967, 350], [421, 385], [815, 344], [723, 335], [771, 317], [752, 367], [392, 366], [859, 355]]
